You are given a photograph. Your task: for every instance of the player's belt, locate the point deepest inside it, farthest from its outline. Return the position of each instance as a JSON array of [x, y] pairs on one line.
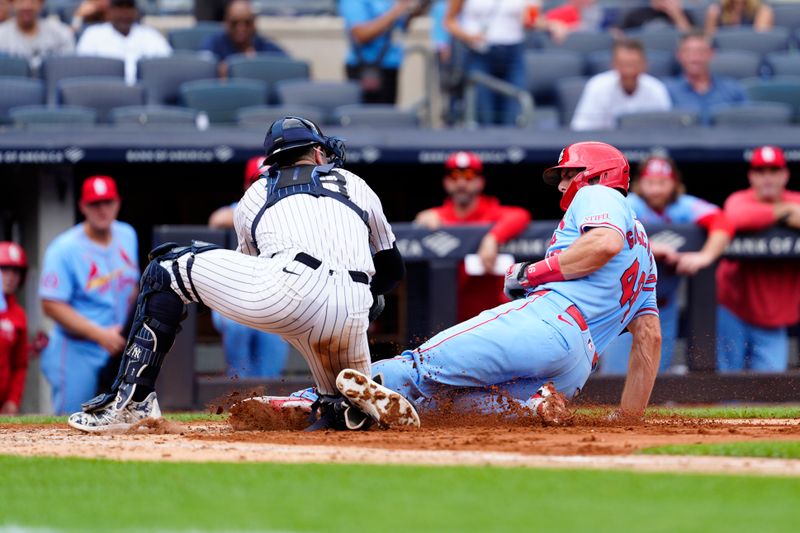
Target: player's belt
[[314, 263], [577, 316]]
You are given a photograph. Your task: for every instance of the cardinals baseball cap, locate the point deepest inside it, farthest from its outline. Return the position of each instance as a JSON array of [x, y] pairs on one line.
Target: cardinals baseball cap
[[464, 160], [658, 167], [768, 156], [99, 188]]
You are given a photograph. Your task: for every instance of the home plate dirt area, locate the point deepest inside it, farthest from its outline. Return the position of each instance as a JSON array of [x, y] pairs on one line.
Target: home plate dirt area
[[589, 442]]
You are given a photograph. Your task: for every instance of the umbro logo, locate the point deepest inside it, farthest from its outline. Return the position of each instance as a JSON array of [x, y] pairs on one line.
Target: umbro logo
[[441, 243]]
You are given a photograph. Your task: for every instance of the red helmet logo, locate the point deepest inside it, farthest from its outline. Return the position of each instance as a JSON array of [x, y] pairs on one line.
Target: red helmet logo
[[594, 161]]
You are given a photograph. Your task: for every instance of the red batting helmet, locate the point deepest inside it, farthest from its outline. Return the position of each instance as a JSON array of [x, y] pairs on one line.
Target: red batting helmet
[[463, 161], [595, 160], [253, 170], [12, 255]]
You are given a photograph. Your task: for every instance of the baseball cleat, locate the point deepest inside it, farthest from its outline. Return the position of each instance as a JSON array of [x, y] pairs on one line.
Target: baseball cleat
[[550, 405], [290, 409], [387, 407], [336, 413], [112, 419]]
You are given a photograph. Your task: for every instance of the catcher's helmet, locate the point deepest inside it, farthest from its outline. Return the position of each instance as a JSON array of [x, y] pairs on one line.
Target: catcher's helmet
[[296, 132], [595, 160], [12, 255]]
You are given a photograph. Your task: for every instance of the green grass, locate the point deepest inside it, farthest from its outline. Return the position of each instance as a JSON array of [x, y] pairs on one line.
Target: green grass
[[774, 449], [49, 419], [100, 495], [768, 411]]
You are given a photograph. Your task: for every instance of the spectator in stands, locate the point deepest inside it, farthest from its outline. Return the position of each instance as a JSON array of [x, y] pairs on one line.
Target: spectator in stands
[[90, 12], [250, 353], [5, 10], [627, 88], [239, 36], [88, 285], [123, 38], [494, 33], [572, 15], [728, 13], [30, 36], [697, 90], [758, 299], [13, 329], [659, 197], [375, 56], [466, 204], [663, 13]]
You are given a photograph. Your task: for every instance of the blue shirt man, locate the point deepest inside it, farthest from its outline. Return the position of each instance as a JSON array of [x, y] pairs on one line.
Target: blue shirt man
[[697, 90], [87, 287]]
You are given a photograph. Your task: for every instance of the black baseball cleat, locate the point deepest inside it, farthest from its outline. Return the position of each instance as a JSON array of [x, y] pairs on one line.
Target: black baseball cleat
[[334, 412]]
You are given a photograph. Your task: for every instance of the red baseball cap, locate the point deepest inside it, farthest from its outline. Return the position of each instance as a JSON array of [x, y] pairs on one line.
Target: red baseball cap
[[658, 167], [99, 188], [768, 156], [463, 161]]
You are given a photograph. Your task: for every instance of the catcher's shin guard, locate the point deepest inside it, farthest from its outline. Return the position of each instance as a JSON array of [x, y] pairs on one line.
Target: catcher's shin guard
[[158, 314]]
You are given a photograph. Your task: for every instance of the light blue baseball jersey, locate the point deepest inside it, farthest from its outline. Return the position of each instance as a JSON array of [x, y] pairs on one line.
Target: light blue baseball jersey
[[686, 209], [624, 288]]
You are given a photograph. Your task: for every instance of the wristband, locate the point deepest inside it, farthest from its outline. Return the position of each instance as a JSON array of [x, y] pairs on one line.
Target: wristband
[[544, 271]]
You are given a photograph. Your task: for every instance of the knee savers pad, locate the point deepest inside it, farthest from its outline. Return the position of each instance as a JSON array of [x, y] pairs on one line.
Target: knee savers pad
[[170, 251]]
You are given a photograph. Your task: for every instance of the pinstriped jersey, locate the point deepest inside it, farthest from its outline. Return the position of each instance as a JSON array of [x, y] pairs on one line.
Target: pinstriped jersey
[[319, 226], [623, 288]]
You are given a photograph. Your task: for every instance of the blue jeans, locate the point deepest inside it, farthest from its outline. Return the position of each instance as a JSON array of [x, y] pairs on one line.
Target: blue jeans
[[250, 353], [503, 354], [743, 346], [614, 360], [507, 63]]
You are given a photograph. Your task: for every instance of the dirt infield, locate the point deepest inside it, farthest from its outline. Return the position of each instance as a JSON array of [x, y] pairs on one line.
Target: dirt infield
[[586, 444]]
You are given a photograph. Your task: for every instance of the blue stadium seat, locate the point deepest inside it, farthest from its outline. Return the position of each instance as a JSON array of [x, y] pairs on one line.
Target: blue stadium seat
[[57, 68], [781, 89], [753, 114], [220, 100], [784, 63], [262, 116], [14, 66], [326, 95], [665, 39], [153, 115], [569, 92], [269, 68], [739, 64], [672, 119], [786, 15], [194, 37], [162, 76], [100, 94], [585, 42], [375, 116], [44, 116], [18, 91], [761, 42], [545, 67]]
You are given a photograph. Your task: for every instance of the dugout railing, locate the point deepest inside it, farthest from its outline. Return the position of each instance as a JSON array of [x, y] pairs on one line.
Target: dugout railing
[[433, 259]]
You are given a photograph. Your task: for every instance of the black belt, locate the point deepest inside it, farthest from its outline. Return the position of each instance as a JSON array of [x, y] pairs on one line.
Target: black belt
[[314, 263]]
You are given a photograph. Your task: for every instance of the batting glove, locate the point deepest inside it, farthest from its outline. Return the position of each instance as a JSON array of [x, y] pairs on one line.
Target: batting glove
[[516, 283], [378, 304]]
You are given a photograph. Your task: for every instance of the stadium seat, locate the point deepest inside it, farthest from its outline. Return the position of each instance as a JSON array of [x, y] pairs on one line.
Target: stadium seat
[[326, 95], [739, 64], [57, 68], [784, 63], [545, 118], [664, 39], [270, 68], [753, 114], [534, 40], [162, 76], [761, 42], [658, 119], [375, 115], [153, 115], [786, 15], [782, 89], [18, 91], [660, 64], [41, 115], [100, 94], [544, 68], [14, 66], [569, 92], [584, 42], [263, 116], [220, 99], [194, 37]]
